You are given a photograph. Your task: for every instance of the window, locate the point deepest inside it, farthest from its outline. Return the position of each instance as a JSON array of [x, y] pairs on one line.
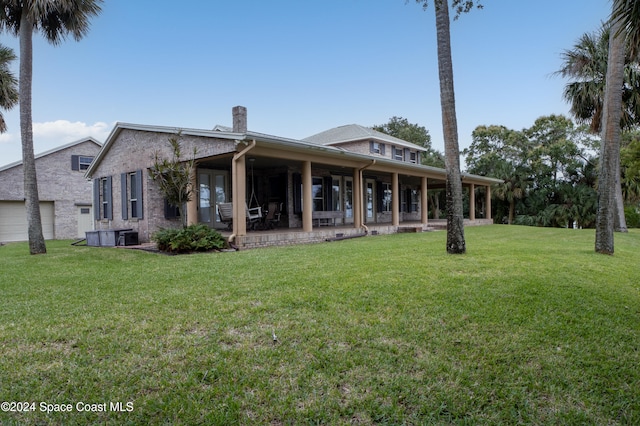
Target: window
[[336, 201], [398, 154], [317, 189], [386, 197], [131, 195], [413, 200], [80, 162], [376, 148], [102, 198], [414, 157]]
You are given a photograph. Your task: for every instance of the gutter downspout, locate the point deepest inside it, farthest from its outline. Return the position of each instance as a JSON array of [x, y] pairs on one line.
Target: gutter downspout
[[236, 157], [362, 225]]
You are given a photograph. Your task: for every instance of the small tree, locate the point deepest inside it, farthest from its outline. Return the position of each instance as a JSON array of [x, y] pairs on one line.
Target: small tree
[[173, 177]]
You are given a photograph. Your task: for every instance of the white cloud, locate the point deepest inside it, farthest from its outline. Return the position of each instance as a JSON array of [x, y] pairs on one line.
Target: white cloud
[[64, 131], [50, 135]]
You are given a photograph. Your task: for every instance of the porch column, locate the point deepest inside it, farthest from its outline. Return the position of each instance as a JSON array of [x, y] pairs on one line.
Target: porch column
[[424, 197], [192, 206], [307, 197], [395, 200], [239, 194], [472, 202], [487, 214], [357, 199]]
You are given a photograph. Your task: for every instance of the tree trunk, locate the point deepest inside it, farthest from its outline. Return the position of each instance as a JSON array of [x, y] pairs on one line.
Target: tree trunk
[[455, 219], [512, 210], [32, 202], [610, 151], [620, 222]]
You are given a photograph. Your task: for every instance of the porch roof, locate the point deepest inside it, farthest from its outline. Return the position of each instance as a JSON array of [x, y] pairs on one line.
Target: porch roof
[[315, 151]]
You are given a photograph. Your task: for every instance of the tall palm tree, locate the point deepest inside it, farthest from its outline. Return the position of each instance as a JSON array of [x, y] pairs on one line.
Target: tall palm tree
[[455, 220], [55, 19], [610, 151], [586, 66], [628, 13], [8, 84]]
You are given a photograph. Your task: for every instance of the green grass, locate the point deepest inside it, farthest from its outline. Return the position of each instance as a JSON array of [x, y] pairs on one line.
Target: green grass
[[529, 327]]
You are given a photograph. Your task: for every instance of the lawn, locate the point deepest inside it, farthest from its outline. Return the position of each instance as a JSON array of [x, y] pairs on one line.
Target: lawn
[[529, 327]]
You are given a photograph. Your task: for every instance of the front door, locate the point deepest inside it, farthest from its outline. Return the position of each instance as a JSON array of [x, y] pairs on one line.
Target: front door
[[212, 190], [85, 220]]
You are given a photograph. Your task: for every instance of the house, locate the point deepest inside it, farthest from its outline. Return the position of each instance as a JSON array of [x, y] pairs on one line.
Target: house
[[347, 181], [65, 195]]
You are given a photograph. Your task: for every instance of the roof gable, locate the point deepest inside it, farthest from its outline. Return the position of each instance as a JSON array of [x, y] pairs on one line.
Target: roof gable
[[53, 151], [356, 132]]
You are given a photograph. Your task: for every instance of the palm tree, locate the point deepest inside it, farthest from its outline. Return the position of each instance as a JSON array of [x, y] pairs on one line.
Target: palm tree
[[628, 13], [586, 65], [55, 19], [455, 220], [610, 151], [8, 84], [514, 185]]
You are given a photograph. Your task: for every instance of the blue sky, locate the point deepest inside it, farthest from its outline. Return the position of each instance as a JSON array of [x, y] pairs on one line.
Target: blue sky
[[300, 67]]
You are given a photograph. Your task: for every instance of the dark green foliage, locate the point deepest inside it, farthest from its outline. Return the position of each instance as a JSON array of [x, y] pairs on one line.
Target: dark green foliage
[[549, 172], [632, 214], [173, 176], [190, 239]]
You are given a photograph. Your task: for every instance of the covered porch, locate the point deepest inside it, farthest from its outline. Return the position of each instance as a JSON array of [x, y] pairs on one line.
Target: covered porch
[[306, 196]]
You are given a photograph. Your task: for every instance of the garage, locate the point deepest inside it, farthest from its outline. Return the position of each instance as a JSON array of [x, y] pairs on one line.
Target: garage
[[13, 220]]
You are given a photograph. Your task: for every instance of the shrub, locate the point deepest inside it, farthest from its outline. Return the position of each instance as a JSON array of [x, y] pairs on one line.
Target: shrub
[[632, 216], [189, 239]]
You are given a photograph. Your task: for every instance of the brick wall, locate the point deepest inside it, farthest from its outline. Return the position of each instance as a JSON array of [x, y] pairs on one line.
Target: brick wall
[[57, 182]]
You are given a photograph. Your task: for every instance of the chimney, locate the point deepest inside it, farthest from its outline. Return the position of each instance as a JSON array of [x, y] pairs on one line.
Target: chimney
[[239, 119]]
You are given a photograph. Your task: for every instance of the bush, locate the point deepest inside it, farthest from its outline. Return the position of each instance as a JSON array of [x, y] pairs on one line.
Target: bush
[[632, 216], [189, 239]]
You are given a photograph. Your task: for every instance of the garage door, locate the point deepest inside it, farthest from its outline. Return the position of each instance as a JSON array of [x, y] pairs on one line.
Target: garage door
[[13, 220]]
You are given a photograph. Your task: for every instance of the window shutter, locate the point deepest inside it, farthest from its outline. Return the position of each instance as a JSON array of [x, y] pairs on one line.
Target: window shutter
[[75, 162], [109, 198], [139, 209], [123, 196], [382, 149], [96, 199], [371, 146], [407, 154], [296, 179]]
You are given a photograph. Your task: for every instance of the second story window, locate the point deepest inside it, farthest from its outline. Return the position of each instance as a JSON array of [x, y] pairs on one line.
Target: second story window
[[398, 154], [376, 147], [80, 162]]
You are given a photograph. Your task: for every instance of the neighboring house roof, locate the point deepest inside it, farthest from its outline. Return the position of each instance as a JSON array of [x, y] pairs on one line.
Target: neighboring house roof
[[356, 132], [54, 150]]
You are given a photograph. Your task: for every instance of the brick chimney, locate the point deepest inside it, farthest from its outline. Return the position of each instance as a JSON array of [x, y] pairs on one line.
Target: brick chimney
[[239, 119]]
